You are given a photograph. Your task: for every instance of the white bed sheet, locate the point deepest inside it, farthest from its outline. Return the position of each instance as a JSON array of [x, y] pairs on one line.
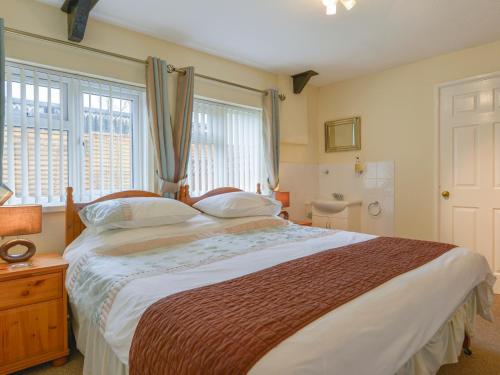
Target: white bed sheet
[[443, 348], [376, 333]]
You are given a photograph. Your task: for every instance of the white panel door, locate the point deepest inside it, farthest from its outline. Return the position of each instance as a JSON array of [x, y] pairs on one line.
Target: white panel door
[[470, 167]]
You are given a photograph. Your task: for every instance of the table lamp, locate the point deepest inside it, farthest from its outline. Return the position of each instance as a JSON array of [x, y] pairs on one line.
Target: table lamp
[[19, 221], [284, 198]]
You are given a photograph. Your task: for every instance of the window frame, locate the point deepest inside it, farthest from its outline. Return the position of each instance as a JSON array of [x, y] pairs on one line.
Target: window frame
[[142, 175], [44, 116], [137, 146]]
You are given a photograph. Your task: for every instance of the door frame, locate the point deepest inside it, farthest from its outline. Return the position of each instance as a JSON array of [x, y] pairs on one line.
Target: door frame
[[437, 141]]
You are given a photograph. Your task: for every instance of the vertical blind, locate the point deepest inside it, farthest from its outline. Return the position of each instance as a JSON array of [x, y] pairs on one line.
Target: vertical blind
[[36, 135], [226, 148], [107, 140], [63, 129]]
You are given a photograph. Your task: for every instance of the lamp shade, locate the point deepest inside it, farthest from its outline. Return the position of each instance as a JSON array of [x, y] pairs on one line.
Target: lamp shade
[[20, 220], [283, 197]]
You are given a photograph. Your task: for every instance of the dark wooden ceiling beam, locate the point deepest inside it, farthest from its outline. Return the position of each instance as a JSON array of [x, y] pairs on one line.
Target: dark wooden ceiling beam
[[300, 80], [78, 14]]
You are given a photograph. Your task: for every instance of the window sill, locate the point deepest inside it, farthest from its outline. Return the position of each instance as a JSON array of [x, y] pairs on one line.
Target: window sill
[[53, 209], [46, 209]]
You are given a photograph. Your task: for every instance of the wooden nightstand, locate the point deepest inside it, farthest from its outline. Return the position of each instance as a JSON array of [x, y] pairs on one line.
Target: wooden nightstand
[[33, 314], [305, 223]]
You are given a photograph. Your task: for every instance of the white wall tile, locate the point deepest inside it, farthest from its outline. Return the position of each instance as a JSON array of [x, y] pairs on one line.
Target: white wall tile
[[370, 170], [306, 182], [340, 179], [301, 180], [385, 169], [378, 186]]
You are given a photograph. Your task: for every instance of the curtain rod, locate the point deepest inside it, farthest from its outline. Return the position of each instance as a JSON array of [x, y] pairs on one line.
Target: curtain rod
[[171, 68]]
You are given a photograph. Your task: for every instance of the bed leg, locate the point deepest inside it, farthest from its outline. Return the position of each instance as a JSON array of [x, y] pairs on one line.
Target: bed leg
[[466, 346]]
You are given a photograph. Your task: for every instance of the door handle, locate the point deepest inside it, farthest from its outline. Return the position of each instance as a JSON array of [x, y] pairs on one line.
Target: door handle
[[445, 194]]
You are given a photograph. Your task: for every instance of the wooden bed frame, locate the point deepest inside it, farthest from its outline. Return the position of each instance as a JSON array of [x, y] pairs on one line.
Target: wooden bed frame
[[75, 226], [186, 198]]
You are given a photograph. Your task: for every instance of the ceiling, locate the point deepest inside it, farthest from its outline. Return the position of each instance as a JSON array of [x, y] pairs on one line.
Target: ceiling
[[290, 36]]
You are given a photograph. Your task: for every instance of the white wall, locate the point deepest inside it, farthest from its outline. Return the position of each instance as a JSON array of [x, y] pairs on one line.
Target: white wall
[[397, 109]]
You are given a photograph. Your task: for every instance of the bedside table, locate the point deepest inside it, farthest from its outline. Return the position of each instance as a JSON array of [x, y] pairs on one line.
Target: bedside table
[[305, 223], [33, 314]]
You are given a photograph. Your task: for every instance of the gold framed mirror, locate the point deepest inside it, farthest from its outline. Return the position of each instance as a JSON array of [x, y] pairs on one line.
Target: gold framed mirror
[[343, 135]]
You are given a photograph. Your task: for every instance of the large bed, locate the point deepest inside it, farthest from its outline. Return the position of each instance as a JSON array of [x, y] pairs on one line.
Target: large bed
[[411, 324]]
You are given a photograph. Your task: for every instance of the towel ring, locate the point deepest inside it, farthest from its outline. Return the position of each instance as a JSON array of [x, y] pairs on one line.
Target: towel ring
[[374, 208]]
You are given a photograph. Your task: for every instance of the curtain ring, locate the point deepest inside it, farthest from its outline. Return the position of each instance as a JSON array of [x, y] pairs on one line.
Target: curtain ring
[[170, 68]]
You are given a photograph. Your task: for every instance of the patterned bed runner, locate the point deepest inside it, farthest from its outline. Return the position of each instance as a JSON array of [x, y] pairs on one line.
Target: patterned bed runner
[[226, 328]]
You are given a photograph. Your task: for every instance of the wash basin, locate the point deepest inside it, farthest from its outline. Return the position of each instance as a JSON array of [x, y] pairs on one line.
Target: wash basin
[[329, 207]]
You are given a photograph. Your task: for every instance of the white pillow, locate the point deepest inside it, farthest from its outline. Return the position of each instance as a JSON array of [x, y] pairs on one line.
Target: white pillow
[[135, 213], [239, 204]]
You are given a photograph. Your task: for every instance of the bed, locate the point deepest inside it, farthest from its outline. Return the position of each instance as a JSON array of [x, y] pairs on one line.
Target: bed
[[403, 326]]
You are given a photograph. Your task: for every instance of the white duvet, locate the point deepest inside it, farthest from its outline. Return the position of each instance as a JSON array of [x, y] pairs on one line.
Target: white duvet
[[376, 333]]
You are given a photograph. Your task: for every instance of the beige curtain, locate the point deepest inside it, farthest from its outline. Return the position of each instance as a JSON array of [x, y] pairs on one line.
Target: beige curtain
[[183, 122], [271, 134], [171, 140]]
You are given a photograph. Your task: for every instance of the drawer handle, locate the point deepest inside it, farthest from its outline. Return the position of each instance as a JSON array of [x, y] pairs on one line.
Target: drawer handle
[[39, 282], [52, 327], [25, 293]]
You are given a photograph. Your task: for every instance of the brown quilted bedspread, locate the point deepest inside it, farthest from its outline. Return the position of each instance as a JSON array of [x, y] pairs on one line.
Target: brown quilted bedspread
[[226, 328]]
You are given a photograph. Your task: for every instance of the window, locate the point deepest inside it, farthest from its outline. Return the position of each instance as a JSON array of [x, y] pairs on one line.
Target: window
[[69, 130], [226, 147]]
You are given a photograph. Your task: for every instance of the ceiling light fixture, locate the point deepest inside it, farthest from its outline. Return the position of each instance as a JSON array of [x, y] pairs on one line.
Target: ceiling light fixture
[[331, 5]]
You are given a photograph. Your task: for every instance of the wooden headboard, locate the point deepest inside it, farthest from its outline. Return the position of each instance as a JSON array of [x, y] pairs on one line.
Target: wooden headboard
[[186, 198], [74, 225]]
